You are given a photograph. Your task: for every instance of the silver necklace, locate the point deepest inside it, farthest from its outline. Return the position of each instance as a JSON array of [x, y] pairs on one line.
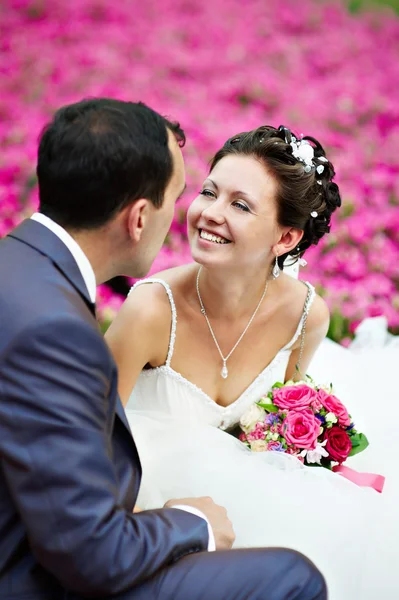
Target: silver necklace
[[224, 372]]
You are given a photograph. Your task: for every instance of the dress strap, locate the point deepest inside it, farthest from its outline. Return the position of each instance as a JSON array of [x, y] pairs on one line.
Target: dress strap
[[173, 309], [308, 303], [300, 330]]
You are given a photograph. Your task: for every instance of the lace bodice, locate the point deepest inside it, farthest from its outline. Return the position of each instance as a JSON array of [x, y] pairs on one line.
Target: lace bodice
[[167, 392]]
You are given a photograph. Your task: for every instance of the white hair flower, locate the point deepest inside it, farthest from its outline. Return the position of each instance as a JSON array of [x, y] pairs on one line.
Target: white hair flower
[[303, 152]]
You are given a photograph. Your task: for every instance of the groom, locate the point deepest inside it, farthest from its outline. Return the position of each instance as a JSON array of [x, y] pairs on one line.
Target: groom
[[109, 175]]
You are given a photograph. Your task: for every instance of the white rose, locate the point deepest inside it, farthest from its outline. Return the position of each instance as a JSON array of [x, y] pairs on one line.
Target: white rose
[[330, 418], [266, 400], [255, 414], [258, 446]]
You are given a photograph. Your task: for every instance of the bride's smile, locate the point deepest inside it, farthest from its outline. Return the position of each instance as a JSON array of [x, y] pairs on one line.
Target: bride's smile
[[211, 236]]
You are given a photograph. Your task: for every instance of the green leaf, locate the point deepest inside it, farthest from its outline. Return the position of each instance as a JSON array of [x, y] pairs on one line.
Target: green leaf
[[278, 384], [268, 407], [359, 443], [104, 325]]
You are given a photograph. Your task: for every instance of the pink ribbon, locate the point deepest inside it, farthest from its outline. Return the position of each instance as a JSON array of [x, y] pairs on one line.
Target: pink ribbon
[[363, 479]]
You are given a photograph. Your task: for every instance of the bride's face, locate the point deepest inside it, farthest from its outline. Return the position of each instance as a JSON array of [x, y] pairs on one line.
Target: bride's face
[[233, 220]]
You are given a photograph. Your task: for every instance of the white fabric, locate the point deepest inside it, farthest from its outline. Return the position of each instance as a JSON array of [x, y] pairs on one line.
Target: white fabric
[[76, 251], [350, 532], [183, 396]]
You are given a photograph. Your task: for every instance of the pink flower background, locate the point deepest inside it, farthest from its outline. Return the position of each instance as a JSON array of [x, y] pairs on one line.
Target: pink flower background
[[221, 67]]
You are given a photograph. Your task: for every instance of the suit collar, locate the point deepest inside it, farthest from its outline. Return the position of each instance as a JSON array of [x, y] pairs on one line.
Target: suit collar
[[43, 240], [80, 257]]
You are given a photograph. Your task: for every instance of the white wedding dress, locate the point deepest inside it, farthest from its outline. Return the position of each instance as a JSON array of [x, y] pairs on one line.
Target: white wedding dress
[[351, 533]]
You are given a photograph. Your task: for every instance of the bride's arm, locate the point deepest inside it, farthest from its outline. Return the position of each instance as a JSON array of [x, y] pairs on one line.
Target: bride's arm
[[316, 330], [139, 335]]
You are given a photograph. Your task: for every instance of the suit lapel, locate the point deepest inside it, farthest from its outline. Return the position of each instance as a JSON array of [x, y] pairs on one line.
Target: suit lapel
[[43, 240]]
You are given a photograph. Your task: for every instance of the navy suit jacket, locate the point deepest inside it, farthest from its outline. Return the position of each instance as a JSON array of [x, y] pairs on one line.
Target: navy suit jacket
[[69, 468]]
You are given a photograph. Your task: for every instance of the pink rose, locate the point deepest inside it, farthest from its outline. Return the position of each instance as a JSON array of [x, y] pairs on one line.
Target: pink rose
[[302, 429], [294, 397], [332, 404], [317, 405], [338, 444]]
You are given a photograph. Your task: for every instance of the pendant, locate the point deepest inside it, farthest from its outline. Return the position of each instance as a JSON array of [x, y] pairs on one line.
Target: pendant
[[224, 372]]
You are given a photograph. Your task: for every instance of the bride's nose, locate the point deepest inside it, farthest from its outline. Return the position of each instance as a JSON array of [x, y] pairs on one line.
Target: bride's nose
[[214, 212]]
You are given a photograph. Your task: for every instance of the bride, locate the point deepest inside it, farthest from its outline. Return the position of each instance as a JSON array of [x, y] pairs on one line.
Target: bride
[[197, 345]]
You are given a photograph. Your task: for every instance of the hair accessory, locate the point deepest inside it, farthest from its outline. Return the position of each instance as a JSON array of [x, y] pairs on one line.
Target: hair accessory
[[303, 151], [319, 182], [314, 214], [302, 262]]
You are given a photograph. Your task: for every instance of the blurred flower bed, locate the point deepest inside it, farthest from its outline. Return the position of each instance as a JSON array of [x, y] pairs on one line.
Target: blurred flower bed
[[222, 67]]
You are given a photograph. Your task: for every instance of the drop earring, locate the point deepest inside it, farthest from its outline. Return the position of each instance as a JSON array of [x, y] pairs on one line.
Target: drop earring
[[276, 269]]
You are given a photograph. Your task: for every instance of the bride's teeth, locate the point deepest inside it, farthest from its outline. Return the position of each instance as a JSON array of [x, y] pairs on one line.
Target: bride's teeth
[[212, 238]]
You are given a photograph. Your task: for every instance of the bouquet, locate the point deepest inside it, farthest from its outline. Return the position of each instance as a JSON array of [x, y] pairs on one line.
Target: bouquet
[[305, 420]]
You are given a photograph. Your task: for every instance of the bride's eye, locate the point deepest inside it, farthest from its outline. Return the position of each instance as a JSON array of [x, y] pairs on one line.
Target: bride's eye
[[208, 193], [241, 206]]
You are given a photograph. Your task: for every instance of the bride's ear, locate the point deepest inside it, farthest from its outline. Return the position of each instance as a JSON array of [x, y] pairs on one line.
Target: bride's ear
[[137, 218], [290, 238]]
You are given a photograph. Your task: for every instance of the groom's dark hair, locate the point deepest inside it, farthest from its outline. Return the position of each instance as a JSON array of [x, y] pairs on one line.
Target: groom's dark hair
[[99, 155]]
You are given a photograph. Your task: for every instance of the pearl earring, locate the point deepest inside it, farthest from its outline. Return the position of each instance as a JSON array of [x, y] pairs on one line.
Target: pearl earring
[[276, 269]]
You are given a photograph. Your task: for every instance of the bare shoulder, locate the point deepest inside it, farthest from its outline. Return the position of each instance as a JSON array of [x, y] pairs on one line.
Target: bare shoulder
[[296, 291], [177, 277], [146, 306], [319, 315], [147, 309]]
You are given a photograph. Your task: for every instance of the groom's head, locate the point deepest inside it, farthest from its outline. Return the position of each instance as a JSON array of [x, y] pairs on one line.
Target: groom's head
[[112, 171]]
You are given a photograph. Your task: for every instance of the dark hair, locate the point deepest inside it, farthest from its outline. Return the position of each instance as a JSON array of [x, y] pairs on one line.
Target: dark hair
[[99, 155], [299, 192]]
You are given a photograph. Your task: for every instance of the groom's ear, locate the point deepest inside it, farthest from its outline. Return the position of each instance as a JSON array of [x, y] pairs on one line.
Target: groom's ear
[[138, 215]]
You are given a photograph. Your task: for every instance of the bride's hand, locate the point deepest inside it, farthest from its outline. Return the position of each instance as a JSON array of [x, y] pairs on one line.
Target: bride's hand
[[217, 516]]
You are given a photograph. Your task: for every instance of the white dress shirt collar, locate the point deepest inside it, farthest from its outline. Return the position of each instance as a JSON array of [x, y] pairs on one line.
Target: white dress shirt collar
[[76, 251]]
